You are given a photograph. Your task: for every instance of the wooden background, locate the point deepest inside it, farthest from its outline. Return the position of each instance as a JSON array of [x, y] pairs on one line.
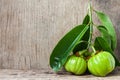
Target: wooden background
[[30, 29]]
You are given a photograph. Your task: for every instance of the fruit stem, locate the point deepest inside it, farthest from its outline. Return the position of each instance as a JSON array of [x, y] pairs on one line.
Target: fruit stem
[[94, 51], [82, 52]]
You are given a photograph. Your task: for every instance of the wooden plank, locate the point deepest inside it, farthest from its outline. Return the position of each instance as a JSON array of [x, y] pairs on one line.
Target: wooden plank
[[6, 74], [29, 29]]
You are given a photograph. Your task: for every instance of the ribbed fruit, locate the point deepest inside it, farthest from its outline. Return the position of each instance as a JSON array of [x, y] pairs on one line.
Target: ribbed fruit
[[101, 64], [76, 65]]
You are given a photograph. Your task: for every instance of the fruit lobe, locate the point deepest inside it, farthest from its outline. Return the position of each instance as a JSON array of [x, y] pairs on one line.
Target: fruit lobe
[[101, 64], [76, 65]]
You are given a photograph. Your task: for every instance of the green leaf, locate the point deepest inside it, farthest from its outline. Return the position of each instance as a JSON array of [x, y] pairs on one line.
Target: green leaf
[[83, 45], [101, 44], [80, 46], [105, 20], [105, 34], [86, 19], [65, 46]]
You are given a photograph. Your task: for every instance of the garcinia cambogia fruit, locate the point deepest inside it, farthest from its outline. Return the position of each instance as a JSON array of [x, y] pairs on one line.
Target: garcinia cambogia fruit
[[101, 64], [76, 65]]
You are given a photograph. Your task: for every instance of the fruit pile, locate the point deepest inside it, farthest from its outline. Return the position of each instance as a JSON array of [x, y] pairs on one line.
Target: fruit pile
[[100, 64], [77, 52]]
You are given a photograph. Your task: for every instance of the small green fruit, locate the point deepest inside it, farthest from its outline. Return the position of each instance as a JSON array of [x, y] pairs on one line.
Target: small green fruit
[[101, 64], [76, 65]]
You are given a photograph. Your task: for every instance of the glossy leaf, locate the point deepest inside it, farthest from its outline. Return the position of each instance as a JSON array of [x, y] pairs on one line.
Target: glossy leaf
[[83, 45], [101, 44], [65, 46], [105, 20], [105, 34], [80, 46], [86, 20]]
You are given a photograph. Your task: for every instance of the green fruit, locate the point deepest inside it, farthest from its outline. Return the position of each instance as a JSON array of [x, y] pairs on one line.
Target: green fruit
[[76, 65], [101, 64]]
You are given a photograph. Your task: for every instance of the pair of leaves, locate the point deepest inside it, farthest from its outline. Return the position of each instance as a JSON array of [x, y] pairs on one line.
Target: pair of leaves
[[108, 40], [105, 34], [86, 37], [65, 46], [107, 29]]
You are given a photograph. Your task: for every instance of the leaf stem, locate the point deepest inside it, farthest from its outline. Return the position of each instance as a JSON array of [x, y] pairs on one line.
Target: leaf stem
[[90, 23], [90, 11]]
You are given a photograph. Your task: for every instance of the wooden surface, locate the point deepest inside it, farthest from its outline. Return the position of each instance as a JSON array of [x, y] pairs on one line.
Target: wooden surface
[[30, 29], [6, 74]]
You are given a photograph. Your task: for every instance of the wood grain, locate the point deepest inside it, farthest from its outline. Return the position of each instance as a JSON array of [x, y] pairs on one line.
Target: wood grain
[[30, 29], [6, 74]]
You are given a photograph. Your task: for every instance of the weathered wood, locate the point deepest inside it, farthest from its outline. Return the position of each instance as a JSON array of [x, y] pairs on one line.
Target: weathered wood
[[6, 74], [29, 29]]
